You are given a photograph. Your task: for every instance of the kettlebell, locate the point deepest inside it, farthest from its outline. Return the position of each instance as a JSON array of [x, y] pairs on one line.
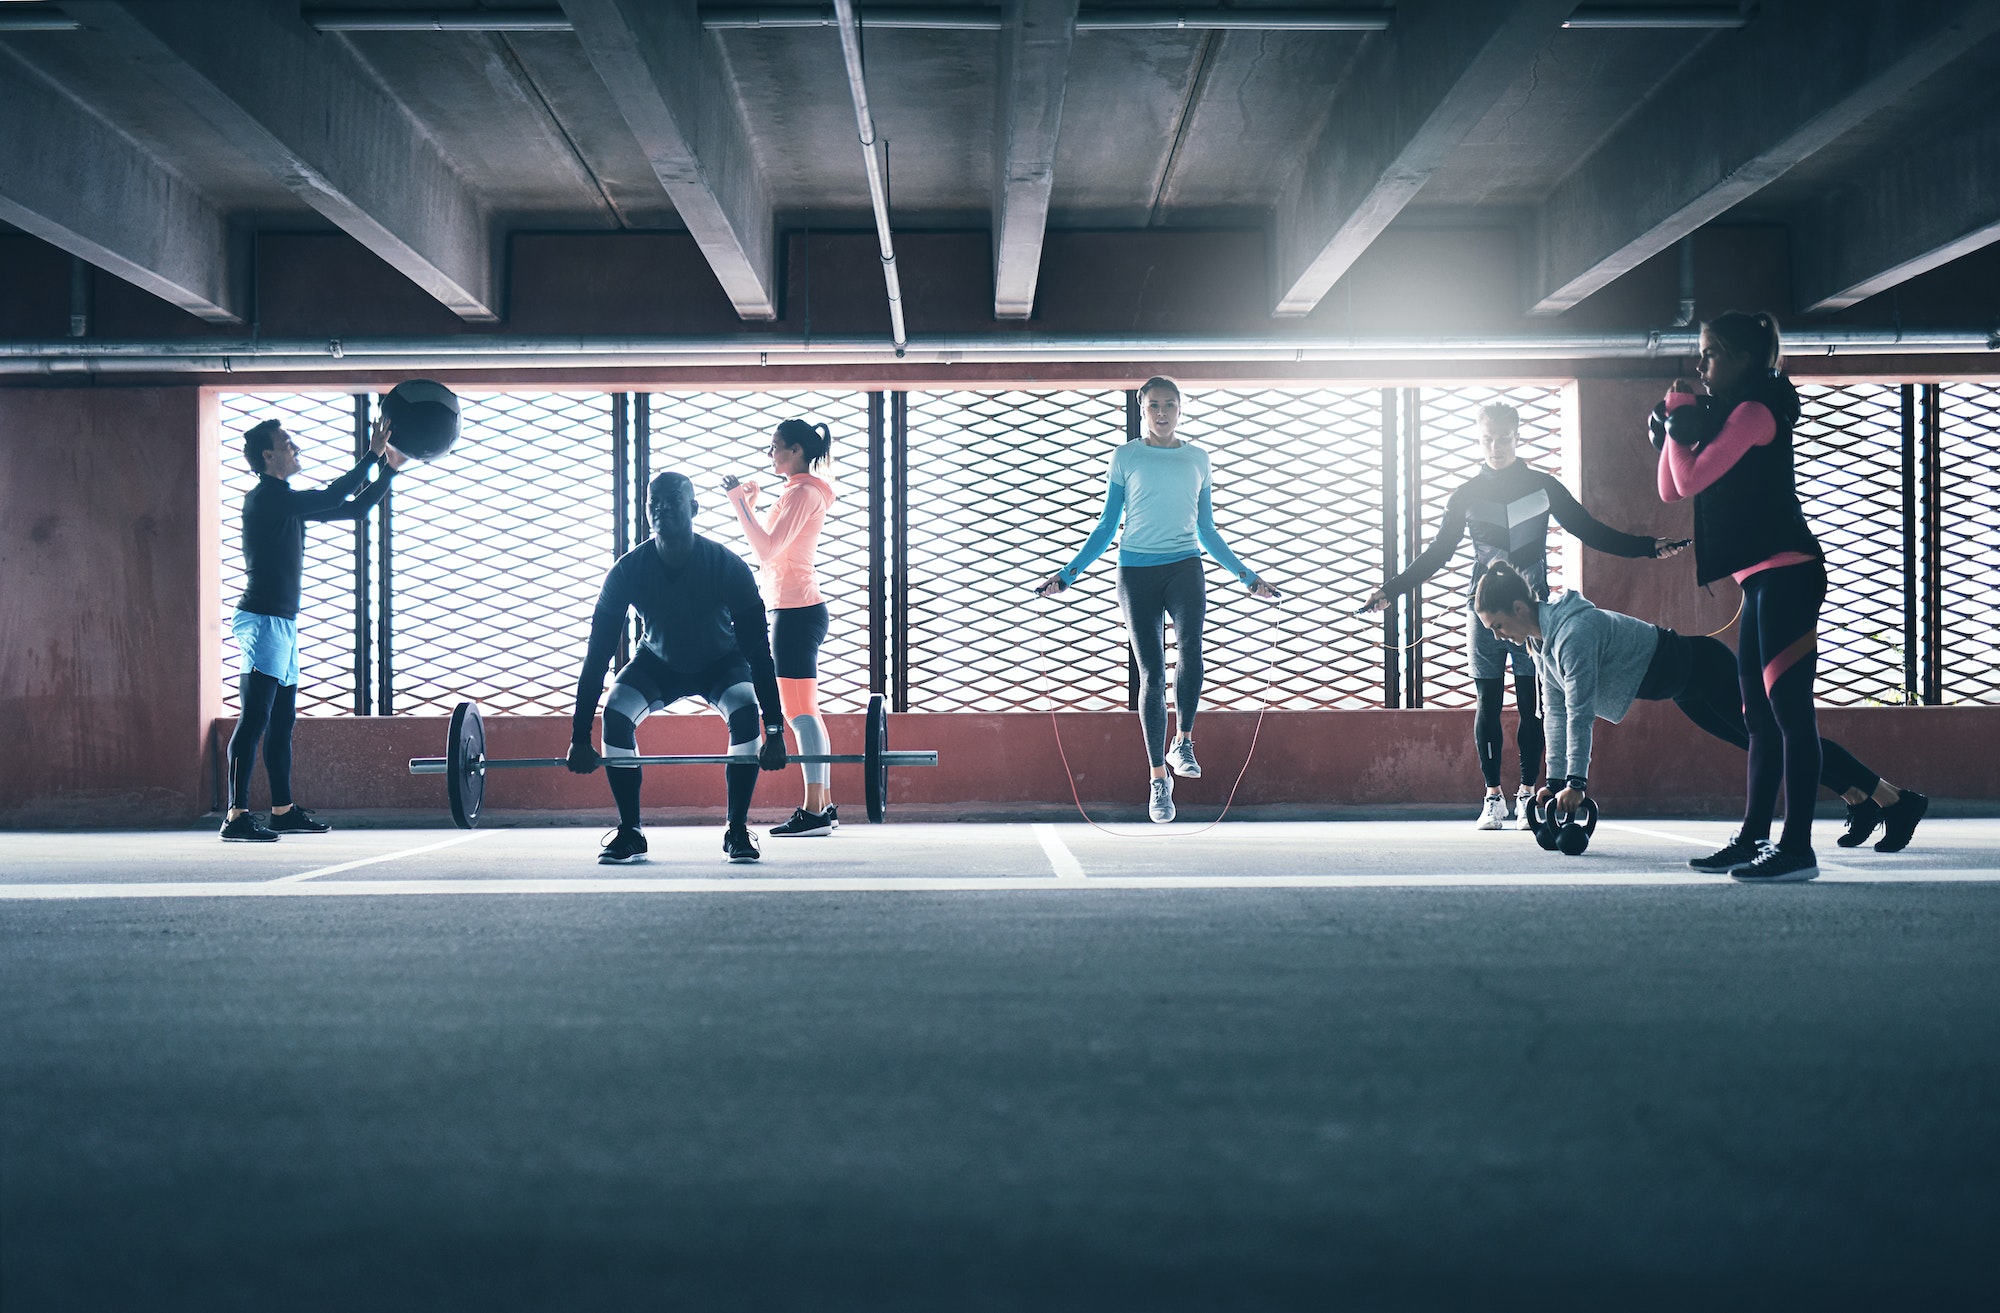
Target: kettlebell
[[1543, 825], [1573, 829]]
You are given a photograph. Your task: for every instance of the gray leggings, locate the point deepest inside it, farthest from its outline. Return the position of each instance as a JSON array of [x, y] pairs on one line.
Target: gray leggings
[[1149, 595]]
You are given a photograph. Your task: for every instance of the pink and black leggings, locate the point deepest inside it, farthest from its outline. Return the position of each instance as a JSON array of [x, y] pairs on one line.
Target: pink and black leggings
[[1776, 658]]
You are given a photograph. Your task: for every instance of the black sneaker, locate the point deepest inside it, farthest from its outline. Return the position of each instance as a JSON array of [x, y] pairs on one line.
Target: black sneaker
[[740, 845], [832, 814], [1779, 866], [1740, 852], [803, 824], [626, 846], [246, 829], [1899, 821], [296, 821], [1862, 818]]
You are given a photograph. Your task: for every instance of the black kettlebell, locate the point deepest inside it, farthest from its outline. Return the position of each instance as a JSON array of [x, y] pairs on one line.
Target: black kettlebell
[[1543, 825], [1573, 829]]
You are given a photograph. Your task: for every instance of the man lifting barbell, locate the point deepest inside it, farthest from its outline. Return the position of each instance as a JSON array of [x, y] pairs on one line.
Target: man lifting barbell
[[705, 636]]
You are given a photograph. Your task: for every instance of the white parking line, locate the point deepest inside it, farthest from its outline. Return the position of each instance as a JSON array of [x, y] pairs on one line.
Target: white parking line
[[890, 884], [456, 839], [1655, 834], [1060, 857]]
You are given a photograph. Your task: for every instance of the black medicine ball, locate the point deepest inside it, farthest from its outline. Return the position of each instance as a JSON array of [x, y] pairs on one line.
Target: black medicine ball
[[423, 418]]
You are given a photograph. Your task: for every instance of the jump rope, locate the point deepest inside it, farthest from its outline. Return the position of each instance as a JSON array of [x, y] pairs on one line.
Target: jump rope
[[1256, 730]]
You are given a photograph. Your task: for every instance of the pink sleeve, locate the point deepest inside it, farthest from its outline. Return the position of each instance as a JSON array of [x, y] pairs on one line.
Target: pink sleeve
[[1669, 490], [1749, 425], [793, 513]]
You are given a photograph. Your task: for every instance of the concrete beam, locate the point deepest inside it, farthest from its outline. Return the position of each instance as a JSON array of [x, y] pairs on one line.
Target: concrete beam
[[1409, 100], [661, 69], [1923, 207], [71, 179], [304, 108], [1034, 77], [1749, 107]]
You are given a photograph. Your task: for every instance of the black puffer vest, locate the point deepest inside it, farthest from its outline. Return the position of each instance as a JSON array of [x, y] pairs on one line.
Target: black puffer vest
[[1751, 513]]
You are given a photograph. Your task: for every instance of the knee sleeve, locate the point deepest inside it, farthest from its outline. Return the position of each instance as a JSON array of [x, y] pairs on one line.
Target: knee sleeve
[[746, 734], [620, 736]]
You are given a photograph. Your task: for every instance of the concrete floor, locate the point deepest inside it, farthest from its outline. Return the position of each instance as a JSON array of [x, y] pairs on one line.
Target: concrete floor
[[1397, 1065]]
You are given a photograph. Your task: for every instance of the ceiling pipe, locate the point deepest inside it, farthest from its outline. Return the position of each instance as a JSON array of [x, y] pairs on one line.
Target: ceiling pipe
[[1088, 20], [448, 20], [36, 18], [478, 351], [1655, 17], [878, 192]]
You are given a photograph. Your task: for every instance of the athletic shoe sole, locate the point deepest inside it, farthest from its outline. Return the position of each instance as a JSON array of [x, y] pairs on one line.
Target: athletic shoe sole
[[248, 838], [1175, 766], [777, 833], [1799, 876], [605, 859], [735, 860]]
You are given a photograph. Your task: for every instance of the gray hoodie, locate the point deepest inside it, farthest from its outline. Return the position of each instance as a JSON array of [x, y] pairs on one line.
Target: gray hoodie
[[1590, 663]]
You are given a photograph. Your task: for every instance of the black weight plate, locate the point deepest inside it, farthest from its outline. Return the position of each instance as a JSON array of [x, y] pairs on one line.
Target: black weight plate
[[874, 771], [464, 767]]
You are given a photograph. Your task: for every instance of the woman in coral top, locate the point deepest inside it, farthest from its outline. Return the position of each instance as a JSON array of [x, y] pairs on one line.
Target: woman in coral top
[[1731, 453], [784, 540]]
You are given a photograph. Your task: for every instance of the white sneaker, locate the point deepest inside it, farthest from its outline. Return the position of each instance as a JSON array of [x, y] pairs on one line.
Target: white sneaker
[[1493, 816], [1161, 806], [1181, 758], [1524, 803]]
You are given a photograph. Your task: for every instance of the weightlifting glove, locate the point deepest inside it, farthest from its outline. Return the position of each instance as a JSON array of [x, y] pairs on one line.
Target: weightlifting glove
[[583, 758], [772, 755]]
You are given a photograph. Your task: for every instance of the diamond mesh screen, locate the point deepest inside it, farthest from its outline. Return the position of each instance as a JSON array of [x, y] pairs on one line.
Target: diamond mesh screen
[[1848, 457], [499, 554], [1450, 454], [706, 435], [1003, 488], [1969, 540], [323, 426], [1298, 477]]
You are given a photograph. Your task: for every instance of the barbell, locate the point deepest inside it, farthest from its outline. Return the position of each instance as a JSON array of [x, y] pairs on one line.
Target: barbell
[[465, 763]]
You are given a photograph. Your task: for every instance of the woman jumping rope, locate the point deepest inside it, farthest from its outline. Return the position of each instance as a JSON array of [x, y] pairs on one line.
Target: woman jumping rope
[[784, 541], [1160, 488]]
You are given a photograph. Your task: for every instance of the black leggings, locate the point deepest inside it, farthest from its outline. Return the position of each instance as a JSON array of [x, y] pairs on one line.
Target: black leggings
[[1528, 736], [1776, 660], [1149, 595], [1704, 672], [269, 708]]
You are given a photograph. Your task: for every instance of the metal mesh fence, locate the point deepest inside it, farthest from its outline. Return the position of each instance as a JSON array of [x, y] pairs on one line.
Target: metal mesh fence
[[706, 435], [1003, 488], [1969, 540], [1298, 476], [1848, 458], [322, 423], [499, 554], [1451, 454]]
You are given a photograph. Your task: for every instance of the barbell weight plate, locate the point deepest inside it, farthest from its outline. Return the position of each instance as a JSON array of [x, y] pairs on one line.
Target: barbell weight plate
[[875, 770], [465, 770]]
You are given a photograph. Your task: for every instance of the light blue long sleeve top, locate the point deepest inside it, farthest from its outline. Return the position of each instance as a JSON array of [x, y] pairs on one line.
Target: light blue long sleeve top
[[1162, 494]]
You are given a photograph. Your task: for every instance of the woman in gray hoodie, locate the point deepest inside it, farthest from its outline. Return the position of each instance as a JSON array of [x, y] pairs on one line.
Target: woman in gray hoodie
[[1594, 664]]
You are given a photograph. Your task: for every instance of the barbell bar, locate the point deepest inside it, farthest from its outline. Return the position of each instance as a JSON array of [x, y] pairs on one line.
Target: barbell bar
[[465, 762]]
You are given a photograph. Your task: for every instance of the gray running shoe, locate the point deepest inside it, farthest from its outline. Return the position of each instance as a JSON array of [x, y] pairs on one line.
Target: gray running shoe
[[1181, 760], [1161, 806]]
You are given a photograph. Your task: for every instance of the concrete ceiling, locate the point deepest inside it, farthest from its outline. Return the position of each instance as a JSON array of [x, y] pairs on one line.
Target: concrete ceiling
[[160, 134]]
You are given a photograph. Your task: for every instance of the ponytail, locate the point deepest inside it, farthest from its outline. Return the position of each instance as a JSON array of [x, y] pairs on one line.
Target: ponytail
[[1500, 585], [816, 440], [1753, 337]]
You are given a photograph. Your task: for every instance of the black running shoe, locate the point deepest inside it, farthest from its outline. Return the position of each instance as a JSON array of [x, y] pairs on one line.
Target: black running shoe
[[1779, 866], [740, 845], [1739, 853], [803, 824], [247, 829], [1862, 818], [296, 821], [1899, 822], [626, 846], [832, 814]]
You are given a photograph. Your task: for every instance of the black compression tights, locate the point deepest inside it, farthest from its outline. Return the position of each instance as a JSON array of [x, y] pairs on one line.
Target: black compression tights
[[1713, 699], [269, 708], [620, 731], [1149, 596], [1528, 735], [1776, 659]]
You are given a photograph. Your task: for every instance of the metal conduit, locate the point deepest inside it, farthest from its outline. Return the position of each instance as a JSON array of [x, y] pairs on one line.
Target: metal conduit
[[70, 356], [878, 193]]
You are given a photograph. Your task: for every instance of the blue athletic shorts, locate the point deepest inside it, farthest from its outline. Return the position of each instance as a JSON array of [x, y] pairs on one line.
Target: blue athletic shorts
[[1488, 656], [270, 644]]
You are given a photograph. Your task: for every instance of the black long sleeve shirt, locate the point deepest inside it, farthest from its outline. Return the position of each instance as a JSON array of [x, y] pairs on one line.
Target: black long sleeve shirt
[[274, 532], [1508, 512], [694, 617]]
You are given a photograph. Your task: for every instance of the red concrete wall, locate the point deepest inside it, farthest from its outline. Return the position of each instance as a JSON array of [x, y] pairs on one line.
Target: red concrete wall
[[107, 605]]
